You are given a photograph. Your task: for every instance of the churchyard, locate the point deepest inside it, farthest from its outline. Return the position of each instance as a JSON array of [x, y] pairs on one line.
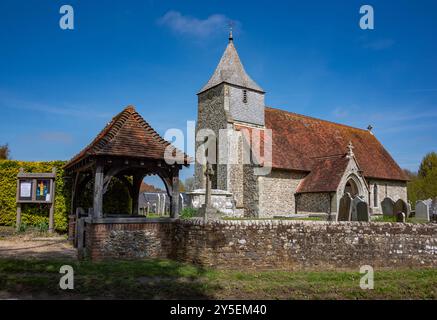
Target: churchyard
[[282, 205], [31, 258]]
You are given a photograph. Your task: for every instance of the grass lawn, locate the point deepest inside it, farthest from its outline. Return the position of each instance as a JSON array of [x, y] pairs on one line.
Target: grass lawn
[[163, 279]]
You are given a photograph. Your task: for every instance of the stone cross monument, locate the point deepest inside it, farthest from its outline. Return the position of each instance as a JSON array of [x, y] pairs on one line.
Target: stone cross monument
[[209, 172], [207, 209]]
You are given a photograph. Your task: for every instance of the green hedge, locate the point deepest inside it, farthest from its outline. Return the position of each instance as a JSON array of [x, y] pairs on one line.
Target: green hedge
[[116, 200], [32, 214]]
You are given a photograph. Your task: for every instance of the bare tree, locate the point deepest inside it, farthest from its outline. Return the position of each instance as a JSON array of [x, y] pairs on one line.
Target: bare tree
[[4, 152], [189, 184]]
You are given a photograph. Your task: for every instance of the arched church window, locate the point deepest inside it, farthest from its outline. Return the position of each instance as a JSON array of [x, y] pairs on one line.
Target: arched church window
[[244, 96], [375, 195]]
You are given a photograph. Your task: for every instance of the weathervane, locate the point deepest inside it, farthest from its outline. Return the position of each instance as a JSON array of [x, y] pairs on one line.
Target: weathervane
[[231, 26]]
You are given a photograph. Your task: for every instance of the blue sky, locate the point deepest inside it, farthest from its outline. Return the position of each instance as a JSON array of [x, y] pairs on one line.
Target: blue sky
[[58, 88]]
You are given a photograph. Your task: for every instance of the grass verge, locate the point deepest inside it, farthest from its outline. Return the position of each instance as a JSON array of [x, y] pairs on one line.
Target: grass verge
[[164, 279]]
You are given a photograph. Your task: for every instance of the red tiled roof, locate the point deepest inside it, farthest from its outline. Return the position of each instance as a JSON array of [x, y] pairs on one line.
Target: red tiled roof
[[145, 187], [129, 135], [300, 141], [325, 175]]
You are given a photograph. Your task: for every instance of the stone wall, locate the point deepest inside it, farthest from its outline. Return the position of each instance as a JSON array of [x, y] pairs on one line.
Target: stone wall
[[212, 115], [392, 189], [128, 240], [262, 244], [220, 199], [250, 192], [235, 171], [277, 192], [316, 202]]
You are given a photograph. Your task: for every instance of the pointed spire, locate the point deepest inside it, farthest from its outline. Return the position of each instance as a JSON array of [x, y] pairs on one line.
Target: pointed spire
[[231, 70]]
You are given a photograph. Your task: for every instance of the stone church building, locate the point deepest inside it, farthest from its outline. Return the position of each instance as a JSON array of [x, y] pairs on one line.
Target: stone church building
[[314, 162]]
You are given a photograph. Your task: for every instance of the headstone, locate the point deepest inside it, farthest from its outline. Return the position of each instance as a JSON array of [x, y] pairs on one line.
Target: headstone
[[387, 207], [356, 202], [423, 209], [400, 217], [433, 208], [363, 211], [401, 206], [344, 211]]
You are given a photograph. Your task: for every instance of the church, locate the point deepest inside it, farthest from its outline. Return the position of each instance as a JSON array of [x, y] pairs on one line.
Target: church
[[313, 161]]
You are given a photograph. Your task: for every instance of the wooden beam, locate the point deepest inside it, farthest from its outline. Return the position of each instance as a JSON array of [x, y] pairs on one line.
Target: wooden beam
[[137, 179], [98, 191], [52, 206], [18, 222], [73, 193]]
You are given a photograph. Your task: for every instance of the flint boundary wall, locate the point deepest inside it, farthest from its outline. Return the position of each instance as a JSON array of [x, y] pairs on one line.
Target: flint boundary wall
[[266, 244]]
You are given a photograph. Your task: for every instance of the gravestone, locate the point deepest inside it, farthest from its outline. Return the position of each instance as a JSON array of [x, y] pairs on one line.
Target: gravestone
[[363, 211], [401, 206], [356, 202], [387, 207], [344, 211], [433, 210], [423, 209], [400, 217]]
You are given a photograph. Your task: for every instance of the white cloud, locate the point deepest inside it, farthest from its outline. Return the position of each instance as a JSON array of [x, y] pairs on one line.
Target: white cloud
[[188, 25]]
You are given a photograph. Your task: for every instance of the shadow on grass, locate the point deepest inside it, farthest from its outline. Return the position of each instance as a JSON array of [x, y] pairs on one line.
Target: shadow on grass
[[145, 279]]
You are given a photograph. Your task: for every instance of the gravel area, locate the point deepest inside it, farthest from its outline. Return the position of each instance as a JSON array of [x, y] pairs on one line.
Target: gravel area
[[34, 245]]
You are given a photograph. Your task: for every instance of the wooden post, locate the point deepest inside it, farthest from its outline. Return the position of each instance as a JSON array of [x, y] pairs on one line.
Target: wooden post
[[18, 223], [98, 191], [137, 179], [80, 237], [73, 193], [52, 217], [18, 219], [174, 211], [52, 206]]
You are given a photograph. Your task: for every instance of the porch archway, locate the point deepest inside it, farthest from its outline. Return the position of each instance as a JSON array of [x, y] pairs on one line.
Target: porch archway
[[353, 186]]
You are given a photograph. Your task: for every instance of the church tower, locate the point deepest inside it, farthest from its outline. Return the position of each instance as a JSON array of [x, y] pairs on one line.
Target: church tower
[[246, 98], [230, 98]]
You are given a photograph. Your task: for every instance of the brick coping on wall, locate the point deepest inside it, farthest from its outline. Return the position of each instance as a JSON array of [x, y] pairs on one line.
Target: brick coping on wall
[[276, 222], [128, 220], [265, 244], [248, 222]]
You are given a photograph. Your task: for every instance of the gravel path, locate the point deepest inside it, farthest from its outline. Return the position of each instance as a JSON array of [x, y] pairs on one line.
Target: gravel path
[[32, 246]]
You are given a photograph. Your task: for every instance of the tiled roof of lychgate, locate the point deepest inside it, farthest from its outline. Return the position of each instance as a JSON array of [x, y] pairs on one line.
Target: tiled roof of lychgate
[[299, 140], [128, 135], [231, 70], [325, 175]]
